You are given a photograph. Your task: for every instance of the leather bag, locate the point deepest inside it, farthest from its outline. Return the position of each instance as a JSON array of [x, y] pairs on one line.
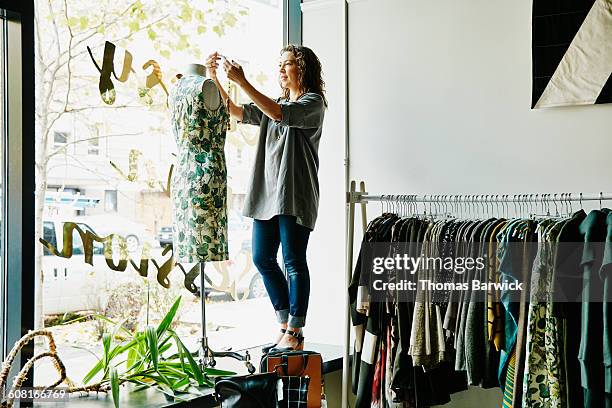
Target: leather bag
[[298, 363], [247, 391]]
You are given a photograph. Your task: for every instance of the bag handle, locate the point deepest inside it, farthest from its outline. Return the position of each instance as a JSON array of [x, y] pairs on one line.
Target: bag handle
[[285, 361], [285, 365]]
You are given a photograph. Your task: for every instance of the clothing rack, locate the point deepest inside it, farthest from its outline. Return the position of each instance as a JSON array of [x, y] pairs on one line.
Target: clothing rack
[[361, 197]]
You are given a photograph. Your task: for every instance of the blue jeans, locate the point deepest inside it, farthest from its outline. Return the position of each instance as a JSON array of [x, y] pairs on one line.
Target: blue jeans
[[289, 296]]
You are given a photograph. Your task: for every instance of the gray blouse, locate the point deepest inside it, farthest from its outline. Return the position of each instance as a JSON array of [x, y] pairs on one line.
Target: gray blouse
[[284, 178]]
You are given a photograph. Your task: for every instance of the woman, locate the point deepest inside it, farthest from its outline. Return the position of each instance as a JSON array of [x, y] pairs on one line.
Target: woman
[[283, 195]]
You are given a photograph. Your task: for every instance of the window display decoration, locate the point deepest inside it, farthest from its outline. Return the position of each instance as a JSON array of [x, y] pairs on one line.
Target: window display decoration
[[106, 86], [88, 238], [571, 52]]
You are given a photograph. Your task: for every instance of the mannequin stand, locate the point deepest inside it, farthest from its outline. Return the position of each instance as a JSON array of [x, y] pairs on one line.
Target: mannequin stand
[[205, 353]]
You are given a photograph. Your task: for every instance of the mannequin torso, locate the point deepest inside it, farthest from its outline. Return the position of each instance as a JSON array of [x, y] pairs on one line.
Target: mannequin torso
[[212, 97]]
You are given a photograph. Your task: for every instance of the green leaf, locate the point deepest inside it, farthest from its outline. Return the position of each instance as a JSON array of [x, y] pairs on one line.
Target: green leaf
[[201, 29], [134, 26], [106, 343], [197, 373], [114, 381], [166, 389], [186, 14], [165, 54], [152, 343], [164, 348], [167, 320], [181, 383], [218, 30], [95, 370], [230, 19], [84, 22], [152, 34], [169, 371], [217, 372], [117, 350], [131, 359]]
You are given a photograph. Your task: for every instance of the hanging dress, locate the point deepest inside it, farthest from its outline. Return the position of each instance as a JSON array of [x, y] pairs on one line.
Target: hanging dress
[[199, 178]]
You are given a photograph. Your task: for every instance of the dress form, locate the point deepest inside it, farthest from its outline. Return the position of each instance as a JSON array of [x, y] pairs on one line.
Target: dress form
[[212, 101], [212, 97]]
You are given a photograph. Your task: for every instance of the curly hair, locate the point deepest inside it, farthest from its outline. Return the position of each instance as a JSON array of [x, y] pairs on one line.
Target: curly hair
[[309, 71]]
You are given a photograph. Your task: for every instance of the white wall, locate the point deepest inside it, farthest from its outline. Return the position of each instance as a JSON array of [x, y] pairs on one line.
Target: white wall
[[439, 100], [326, 245], [440, 103]]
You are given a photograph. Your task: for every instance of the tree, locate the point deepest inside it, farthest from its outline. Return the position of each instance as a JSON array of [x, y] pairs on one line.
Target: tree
[[64, 79]]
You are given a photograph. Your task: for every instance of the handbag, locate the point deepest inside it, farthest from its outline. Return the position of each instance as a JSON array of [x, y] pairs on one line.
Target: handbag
[[298, 363], [295, 392], [248, 391]]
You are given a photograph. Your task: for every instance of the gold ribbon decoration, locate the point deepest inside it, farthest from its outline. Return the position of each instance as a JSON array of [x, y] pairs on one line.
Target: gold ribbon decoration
[[105, 85]]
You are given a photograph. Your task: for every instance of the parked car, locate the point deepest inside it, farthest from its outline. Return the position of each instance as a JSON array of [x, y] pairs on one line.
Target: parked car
[[69, 284], [135, 234], [165, 236]]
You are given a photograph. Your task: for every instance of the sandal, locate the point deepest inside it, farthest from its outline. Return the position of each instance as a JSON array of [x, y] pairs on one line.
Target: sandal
[[298, 346], [267, 347]]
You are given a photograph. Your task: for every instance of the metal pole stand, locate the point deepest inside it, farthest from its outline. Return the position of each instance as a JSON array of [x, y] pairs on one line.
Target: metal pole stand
[[205, 353]]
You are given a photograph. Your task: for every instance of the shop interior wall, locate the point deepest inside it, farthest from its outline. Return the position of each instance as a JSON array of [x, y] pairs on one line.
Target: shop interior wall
[[322, 31], [439, 101]]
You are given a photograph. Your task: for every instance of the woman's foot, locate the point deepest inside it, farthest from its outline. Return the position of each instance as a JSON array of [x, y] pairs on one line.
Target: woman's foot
[[292, 340], [279, 336]]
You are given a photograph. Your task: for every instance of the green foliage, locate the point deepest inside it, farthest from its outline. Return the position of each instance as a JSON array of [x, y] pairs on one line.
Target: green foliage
[[114, 381], [153, 357]]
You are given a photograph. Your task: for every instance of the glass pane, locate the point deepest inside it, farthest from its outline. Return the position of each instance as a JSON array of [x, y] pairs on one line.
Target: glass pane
[[2, 127], [104, 160], [2, 139]]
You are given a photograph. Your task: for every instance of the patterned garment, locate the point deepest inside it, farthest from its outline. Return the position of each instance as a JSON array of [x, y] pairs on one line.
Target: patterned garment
[[508, 390], [199, 179], [543, 382]]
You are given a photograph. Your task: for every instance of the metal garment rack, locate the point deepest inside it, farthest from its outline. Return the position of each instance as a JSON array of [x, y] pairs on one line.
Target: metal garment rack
[[361, 197]]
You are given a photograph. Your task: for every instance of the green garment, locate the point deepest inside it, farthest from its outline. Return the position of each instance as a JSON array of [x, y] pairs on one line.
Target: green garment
[[590, 353], [604, 273], [199, 178]]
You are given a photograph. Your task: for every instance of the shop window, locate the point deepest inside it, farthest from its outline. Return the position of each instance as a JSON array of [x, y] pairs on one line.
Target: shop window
[[123, 148]]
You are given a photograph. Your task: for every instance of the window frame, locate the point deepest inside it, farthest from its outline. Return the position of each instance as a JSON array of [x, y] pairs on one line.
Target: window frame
[[292, 22], [17, 292]]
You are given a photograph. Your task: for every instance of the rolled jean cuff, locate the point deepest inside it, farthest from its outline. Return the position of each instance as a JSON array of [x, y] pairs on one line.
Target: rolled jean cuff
[[282, 315], [296, 321]]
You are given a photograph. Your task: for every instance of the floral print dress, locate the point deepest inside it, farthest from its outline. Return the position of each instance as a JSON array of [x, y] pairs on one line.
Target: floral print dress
[[199, 178]]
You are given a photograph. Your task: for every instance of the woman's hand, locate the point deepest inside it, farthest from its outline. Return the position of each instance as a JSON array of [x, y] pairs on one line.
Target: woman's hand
[[234, 72], [212, 64]]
